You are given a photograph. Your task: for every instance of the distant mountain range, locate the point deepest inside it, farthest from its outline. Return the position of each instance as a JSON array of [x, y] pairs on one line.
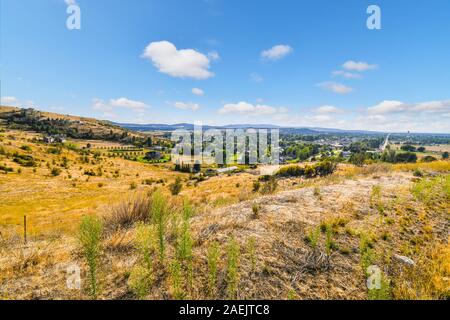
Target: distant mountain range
[[190, 127]]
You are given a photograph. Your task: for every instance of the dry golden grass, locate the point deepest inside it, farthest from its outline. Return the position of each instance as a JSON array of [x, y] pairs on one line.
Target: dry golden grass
[[429, 279]]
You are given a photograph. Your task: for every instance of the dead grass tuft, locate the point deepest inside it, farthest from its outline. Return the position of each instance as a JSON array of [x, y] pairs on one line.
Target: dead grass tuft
[[125, 214]]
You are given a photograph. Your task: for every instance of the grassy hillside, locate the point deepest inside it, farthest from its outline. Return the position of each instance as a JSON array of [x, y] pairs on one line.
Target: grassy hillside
[[70, 126]]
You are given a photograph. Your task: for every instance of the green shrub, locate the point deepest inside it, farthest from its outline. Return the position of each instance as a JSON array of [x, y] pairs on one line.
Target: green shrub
[[55, 172], [89, 235], [176, 280], [24, 160], [232, 269], [251, 248], [5, 168], [366, 251], [329, 242], [140, 281], [429, 159], [175, 188], [184, 245], [145, 244], [213, 259], [313, 237], [321, 169], [256, 186], [405, 157], [270, 186], [159, 215], [255, 209]]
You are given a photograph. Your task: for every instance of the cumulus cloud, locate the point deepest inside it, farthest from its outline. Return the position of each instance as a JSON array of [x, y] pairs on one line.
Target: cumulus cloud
[[183, 63], [432, 106], [346, 74], [276, 52], [335, 87], [245, 108], [128, 104], [392, 106], [358, 66], [9, 101], [198, 92], [327, 109], [101, 105], [387, 106], [186, 106]]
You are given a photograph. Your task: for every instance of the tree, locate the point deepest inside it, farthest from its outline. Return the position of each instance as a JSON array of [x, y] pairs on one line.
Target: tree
[[445, 155], [357, 158], [408, 147], [405, 157], [421, 149]]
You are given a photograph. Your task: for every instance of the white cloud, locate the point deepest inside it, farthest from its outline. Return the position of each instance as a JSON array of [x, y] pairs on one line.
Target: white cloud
[[255, 77], [327, 109], [346, 74], [136, 106], [358, 66], [245, 108], [186, 106], [186, 63], [128, 104], [10, 101], [276, 52], [389, 106], [432, 106], [198, 92], [335, 87]]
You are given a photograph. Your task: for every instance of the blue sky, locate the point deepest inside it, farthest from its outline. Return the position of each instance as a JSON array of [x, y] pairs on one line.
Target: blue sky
[[293, 63]]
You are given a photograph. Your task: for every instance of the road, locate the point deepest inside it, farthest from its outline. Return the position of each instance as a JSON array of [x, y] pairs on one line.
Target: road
[[385, 144]]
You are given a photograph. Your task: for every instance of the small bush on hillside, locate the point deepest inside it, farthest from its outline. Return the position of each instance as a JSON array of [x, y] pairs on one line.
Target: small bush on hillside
[[270, 186], [251, 248], [320, 169], [140, 281], [255, 210], [159, 215], [176, 281], [89, 235], [256, 186], [55, 172], [213, 259], [6, 169], [313, 237], [134, 209], [175, 188], [24, 160], [429, 159], [232, 269]]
